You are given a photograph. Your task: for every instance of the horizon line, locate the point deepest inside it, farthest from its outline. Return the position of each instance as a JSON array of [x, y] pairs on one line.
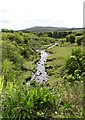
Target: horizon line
[[44, 26]]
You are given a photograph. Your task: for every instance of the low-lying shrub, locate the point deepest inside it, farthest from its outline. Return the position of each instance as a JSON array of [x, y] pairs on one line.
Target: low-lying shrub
[[27, 102]]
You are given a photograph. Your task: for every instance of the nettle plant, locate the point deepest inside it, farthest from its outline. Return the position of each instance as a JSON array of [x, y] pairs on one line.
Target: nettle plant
[[75, 65]]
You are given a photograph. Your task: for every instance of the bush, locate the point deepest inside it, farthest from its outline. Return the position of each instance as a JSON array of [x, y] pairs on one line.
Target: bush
[[79, 40], [28, 102], [67, 38], [70, 38], [83, 39], [75, 65], [8, 71]]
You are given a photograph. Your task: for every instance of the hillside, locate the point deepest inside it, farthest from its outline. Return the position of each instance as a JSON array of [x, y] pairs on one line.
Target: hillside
[[47, 29], [42, 29]]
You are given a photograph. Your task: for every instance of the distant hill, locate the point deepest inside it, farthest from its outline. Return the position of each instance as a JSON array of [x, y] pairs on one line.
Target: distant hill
[[43, 29], [48, 29]]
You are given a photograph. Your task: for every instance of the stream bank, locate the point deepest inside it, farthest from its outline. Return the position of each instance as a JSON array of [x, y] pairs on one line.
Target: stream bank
[[41, 75]]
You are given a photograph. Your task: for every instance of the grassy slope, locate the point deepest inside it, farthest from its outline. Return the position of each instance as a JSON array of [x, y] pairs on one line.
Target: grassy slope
[[70, 95], [56, 61]]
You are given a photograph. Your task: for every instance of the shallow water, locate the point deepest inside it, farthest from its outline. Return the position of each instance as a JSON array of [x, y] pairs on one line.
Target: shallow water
[[41, 75]]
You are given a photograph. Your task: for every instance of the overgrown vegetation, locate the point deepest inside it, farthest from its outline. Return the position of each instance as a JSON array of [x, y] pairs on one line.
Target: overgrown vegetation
[[27, 102], [62, 95], [75, 65]]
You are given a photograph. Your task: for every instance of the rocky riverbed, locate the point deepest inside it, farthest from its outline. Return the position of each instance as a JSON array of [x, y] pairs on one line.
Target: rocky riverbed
[[41, 75]]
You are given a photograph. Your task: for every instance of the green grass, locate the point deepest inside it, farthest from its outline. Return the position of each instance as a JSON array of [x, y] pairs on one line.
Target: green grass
[[56, 60], [70, 95], [29, 65]]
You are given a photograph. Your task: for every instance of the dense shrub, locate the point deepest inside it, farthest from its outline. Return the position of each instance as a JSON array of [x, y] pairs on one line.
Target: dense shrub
[[79, 40], [67, 38], [28, 102], [78, 33], [83, 39], [8, 71], [70, 38], [75, 65], [6, 30]]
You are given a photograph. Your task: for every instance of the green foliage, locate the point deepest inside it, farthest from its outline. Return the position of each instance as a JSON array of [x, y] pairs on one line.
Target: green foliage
[[28, 102], [58, 97], [67, 38], [75, 65], [9, 72], [12, 53], [17, 49], [6, 30], [79, 40], [58, 34], [70, 38], [79, 33], [1, 84], [83, 39]]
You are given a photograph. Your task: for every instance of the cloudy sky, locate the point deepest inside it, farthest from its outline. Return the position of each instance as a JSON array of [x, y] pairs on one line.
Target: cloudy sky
[[21, 14]]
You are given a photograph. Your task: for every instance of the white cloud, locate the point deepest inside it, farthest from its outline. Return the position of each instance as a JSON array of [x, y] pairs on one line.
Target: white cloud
[[18, 14]]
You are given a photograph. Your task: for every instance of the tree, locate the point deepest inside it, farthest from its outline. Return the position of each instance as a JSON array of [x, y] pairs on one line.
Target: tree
[[6, 30]]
